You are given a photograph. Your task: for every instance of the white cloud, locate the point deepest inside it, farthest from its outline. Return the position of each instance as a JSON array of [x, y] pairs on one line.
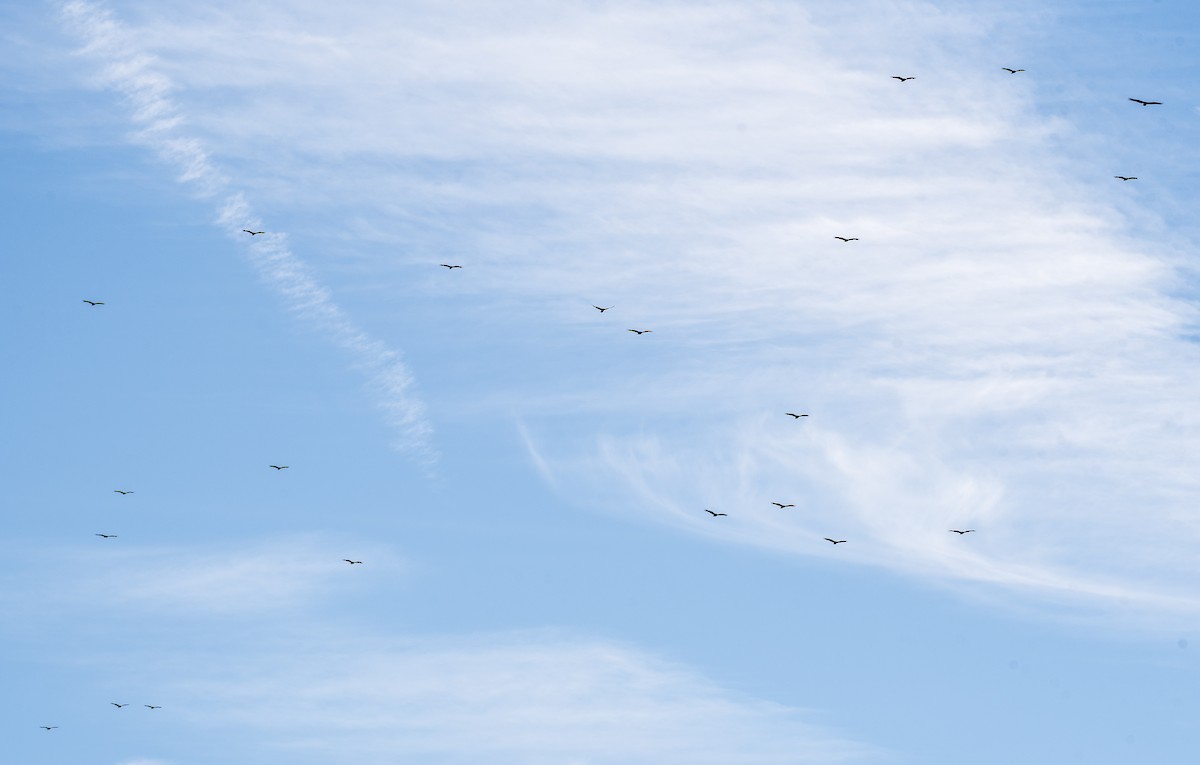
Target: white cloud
[[274, 576], [996, 351], [525, 698], [162, 126], [294, 684]]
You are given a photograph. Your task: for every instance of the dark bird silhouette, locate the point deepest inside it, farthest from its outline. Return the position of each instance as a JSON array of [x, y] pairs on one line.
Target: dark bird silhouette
[[351, 562], [601, 310], [780, 505], [118, 706], [47, 727], [795, 416], [447, 265], [902, 79], [847, 238], [835, 541], [107, 536], [253, 233], [118, 491], [1146, 103], [714, 515], [964, 531], [93, 303], [1125, 177], [641, 331], [279, 467], [151, 706], [1011, 71]]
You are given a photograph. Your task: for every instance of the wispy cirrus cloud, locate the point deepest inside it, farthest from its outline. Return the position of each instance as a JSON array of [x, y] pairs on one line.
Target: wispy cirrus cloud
[[519, 698], [998, 350]]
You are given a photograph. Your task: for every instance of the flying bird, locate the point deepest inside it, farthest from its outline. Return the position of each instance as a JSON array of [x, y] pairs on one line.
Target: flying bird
[[835, 541], [847, 238], [780, 505], [641, 331], [795, 416], [47, 727], [151, 706], [902, 79], [447, 265], [1125, 177], [118, 706], [279, 467], [1011, 71], [253, 233], [107, 536], [93, 302], [118, 491], [714, 515], [1146, 103], [963, 531], [351, 562], [601, 310]]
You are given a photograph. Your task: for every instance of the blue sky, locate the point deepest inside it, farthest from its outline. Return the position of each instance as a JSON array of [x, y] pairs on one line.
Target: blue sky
[[1009, 346]]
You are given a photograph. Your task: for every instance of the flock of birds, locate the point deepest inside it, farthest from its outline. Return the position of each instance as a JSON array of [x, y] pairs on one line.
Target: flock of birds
[[603, 309], [845, 240]]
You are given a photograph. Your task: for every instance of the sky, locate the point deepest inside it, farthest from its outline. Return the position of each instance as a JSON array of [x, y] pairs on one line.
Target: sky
[[1007, 345]]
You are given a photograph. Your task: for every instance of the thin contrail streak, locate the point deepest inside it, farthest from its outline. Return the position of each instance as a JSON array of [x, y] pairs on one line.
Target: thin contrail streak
[[129, 70]]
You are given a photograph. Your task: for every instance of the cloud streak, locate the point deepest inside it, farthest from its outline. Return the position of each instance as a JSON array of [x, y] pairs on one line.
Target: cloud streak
[[278, 576], [161, 125]]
